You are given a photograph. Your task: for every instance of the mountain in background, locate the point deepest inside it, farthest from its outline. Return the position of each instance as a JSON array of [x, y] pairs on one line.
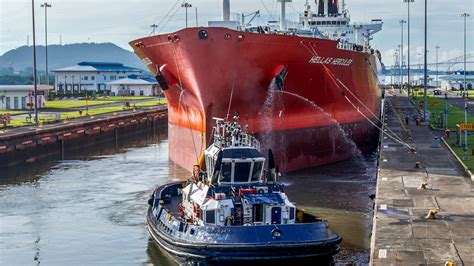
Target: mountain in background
[[67, 55]]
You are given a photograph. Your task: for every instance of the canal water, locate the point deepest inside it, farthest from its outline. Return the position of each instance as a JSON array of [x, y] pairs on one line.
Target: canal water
[[90, 208]]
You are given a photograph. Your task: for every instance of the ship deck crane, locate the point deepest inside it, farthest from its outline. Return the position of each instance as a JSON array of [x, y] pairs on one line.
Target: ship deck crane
[[254, 15]]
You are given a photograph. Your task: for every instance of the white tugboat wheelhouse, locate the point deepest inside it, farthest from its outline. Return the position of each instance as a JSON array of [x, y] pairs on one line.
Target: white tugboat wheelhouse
[[234, 190]]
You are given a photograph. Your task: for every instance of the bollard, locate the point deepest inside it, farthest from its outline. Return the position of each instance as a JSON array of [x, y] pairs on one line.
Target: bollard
[[431, 215], [423, 186], [417, 164], [435, 143], [458, 135], [450, 263]]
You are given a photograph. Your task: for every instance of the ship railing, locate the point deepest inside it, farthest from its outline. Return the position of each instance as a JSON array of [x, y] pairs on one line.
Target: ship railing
[[249, 140]]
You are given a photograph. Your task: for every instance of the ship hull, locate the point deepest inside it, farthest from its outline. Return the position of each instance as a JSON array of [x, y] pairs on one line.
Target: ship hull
[[302, 97]]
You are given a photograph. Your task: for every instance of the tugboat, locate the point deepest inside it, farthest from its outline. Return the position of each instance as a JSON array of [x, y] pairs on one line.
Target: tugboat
[[235, 209]]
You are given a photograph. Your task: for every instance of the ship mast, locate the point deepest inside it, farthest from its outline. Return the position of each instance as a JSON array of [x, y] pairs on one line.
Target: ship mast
[[226, 6], [283, 13]]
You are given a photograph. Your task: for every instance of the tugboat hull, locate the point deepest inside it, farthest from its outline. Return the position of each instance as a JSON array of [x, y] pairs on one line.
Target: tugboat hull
[[217, 243]]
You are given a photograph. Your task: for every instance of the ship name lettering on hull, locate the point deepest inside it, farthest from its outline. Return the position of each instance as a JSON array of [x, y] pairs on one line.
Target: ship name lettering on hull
[[330, 61]]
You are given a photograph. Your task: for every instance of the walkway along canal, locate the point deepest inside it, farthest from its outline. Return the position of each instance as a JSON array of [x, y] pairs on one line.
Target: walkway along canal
[[424, 204]]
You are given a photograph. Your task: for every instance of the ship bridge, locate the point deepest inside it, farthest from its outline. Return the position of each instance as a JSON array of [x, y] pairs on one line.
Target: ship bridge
[[334, 23]]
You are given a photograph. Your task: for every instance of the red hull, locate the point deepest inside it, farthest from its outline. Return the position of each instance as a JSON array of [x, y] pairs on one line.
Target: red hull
[[225, 73]]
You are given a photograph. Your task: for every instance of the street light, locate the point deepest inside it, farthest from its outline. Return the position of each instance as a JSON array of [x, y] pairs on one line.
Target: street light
[[396, 58], [153, 26], [401, 56], [437, 81], [419, 64], [465, 15], [425, 70], [46, 5], [399, 67], [186, 6], [408, 63], [35, 81]]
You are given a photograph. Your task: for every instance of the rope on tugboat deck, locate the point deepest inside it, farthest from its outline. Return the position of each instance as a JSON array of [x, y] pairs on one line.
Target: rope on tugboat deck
[[392, 135]]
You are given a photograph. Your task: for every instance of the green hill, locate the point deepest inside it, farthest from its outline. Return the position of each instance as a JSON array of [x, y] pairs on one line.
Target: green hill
[[60, 56]]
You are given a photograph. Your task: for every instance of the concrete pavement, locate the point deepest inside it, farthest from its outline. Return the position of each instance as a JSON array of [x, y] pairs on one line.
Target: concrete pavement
[[402, 235]]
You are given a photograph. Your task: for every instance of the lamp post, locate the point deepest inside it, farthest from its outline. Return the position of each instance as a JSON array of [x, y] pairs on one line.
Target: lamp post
[[437, 81], [153, 26], [46, 5], [186, 5], [408, 57], [446, 111], [35, 81], [419, 64], [426, 117], [399, 68], [465, 15], [401, 56], [396, 65]]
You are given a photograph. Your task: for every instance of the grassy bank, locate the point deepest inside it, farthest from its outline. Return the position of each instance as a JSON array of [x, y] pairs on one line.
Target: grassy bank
[[22, 121], [66, 104], [436, 107], [13, 112]]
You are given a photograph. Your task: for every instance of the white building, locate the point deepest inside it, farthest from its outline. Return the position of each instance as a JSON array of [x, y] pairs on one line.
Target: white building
[[134, 86], [91, 76], [18, 96], [456, 81]]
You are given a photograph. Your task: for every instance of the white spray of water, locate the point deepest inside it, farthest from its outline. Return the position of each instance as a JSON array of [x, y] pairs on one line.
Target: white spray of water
[[272, 101], [347, 139]]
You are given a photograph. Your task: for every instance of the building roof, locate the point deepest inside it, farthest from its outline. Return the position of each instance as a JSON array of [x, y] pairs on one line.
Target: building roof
[[97, 66], [146, 77], [25, 87], [129, 81]]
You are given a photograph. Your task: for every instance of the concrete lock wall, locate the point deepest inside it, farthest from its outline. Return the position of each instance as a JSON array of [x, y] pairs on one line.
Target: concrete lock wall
[[61, 141]]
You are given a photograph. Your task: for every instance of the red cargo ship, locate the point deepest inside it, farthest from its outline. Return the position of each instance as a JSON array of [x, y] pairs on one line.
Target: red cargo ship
[[304, 94]]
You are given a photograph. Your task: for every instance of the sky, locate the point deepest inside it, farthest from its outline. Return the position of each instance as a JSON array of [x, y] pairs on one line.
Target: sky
[[120, 21]]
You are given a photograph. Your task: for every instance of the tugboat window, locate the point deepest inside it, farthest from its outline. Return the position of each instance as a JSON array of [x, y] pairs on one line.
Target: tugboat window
[[292, 213], [211, 217], [242, 171], [257, 169], [258, 213], [226, 172]]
